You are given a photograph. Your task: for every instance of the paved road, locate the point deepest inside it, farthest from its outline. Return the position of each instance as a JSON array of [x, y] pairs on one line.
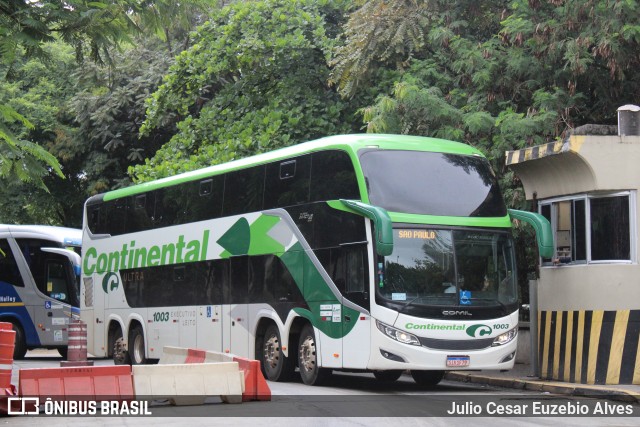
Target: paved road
[[346, 400]]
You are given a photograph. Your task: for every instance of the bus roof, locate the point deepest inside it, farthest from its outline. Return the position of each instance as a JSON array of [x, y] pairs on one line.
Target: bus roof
[[63, 235], [350, 143]]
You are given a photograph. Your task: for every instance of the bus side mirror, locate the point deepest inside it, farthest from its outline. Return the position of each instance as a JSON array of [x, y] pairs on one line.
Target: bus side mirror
[[381, 224], [544, 235]]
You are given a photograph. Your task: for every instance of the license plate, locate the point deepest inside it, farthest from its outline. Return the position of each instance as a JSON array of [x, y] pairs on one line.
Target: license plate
[[458, 361]]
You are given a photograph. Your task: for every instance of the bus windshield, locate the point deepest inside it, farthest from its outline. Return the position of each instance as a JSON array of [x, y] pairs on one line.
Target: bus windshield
[[431, 183], [448, 268]]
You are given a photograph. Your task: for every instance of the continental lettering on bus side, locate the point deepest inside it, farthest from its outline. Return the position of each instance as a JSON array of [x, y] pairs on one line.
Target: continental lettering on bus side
[[131, 256]]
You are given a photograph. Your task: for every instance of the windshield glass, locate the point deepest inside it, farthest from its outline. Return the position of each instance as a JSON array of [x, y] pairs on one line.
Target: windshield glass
[[448, 267], [423, 183]]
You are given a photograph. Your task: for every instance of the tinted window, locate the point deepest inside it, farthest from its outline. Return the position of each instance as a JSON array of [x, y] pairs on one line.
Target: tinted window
[[610, 228], [348, 268], [51, 272], [333, 176], [140, 212], [239, 281], [432, 183], [323, 226], [287, 182], [9, 272], [243, 191]]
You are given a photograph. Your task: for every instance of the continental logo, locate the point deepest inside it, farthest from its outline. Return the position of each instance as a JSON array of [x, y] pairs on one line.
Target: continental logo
[[477, 331], [110, 282], [474, 331], [131, 256]]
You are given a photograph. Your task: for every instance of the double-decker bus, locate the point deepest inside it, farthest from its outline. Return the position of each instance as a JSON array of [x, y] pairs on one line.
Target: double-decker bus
[[379, 253], [39, 284]]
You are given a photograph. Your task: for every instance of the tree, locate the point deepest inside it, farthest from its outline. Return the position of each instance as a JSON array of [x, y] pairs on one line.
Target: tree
[[255, 79], [499, 75], [92, 28]]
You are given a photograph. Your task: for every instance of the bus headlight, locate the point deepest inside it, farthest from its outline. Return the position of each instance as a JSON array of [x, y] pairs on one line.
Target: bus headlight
[[397, 334], [505, 338]]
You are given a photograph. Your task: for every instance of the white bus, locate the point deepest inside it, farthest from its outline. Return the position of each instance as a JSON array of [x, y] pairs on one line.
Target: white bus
[[378, 253], [39, 284]]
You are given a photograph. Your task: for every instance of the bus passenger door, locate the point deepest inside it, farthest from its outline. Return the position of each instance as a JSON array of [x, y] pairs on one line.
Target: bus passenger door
[[235, 312], [56, 282], [209, 328], [353, 271]]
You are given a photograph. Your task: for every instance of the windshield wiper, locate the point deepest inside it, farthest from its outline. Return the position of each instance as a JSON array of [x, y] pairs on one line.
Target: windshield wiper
[[411, 301], [500, 303]]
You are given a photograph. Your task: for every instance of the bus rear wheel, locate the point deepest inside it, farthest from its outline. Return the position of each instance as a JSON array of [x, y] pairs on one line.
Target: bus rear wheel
[[310, 372], [136, 346], [427, 378], [120, 354], [276, 366]]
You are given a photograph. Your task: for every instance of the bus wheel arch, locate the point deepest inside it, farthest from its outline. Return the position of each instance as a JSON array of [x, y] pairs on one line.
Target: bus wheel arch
[[136, 344]]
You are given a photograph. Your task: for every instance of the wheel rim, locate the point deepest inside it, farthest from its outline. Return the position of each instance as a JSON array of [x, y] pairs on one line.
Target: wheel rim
[[119, 352], [308, 354], [272, 351], [138, 348]]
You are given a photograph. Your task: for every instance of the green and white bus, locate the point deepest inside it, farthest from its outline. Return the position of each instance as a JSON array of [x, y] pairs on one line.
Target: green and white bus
[[378, 253]]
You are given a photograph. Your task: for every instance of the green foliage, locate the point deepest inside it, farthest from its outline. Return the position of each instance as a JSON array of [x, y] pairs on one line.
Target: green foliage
[[87, 116], [254, 80], [498, 75]]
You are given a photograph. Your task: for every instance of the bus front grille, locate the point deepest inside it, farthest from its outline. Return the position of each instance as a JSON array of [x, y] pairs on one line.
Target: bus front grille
[[438, 344]]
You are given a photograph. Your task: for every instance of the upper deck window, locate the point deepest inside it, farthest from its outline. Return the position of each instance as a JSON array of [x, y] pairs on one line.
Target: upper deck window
[[432, 183]]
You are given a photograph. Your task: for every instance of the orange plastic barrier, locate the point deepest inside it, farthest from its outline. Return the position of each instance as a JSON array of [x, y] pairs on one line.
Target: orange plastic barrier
[[7, 343], [195, 356], [94, 382], [255, 386]]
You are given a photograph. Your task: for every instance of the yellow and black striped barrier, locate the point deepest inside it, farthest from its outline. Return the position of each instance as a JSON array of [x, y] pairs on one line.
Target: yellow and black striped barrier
[[590, 347]]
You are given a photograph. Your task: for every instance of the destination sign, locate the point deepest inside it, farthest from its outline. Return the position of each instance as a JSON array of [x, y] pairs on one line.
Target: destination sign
[[416, 234]]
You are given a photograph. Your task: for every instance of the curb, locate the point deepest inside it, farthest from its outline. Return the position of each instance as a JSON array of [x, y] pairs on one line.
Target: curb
[[546, 386]]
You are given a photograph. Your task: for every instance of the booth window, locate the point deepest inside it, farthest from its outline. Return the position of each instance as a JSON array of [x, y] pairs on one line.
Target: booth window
[[592, 228]]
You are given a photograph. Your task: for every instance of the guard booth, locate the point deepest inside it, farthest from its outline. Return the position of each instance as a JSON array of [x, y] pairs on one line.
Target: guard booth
[[589, 291]]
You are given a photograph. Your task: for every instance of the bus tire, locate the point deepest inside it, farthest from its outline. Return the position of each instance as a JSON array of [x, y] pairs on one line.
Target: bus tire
[[120, 353], [310, 372], [64, 351], [20, 348], [277, 367], [136, 346], [427, 378], [387, 376]]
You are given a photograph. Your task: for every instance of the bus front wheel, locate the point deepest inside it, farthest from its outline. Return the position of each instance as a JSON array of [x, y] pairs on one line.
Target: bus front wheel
[[427, 378], [310, 372], [20, 348], [277, 367], [136, 346]]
